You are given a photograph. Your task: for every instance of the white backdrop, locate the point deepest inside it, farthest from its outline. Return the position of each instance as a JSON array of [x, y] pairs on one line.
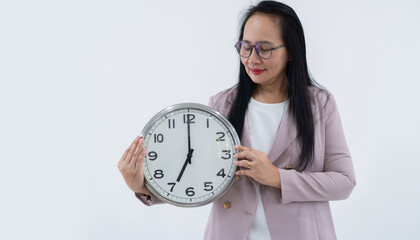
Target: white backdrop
[[80, 79]]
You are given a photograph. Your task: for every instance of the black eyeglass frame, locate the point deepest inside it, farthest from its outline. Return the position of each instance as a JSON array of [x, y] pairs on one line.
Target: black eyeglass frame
[[238, 47]]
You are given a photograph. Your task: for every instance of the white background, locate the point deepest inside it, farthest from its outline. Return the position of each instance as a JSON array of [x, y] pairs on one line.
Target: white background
[[80, 79]]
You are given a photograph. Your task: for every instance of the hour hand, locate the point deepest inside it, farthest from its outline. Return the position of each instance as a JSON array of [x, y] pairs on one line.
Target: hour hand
[[187, 161]]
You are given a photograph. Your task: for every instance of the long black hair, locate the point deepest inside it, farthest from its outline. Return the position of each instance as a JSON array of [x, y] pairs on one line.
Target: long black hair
[[298, 78]]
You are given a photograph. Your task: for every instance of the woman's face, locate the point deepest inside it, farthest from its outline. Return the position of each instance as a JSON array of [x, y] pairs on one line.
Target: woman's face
[[264, 28]]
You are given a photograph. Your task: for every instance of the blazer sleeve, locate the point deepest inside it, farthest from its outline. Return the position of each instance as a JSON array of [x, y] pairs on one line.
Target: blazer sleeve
[[337, 180], [212, 102], [148, 200]]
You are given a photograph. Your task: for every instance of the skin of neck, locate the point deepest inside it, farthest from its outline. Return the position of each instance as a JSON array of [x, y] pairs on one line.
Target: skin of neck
[[275, 92]]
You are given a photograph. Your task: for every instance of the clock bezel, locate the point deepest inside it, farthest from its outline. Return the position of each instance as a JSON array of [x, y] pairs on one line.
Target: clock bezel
[[200, 107]]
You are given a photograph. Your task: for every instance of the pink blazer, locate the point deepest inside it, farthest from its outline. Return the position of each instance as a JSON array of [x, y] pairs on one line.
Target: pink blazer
[[300, 209]]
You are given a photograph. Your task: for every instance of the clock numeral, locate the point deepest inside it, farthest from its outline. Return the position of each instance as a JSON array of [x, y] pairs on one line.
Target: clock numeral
[[190, 191], [208, 122], [158, 174], [171, 123], [189, 118], [173, 185], [221, 173], [208, 186], [152, 155], [158, 138], [221, 136], [227, 154]]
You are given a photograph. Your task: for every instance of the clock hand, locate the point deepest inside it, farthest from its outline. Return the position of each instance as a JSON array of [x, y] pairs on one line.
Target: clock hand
[[189, 137], [190, 150], [187, 161]]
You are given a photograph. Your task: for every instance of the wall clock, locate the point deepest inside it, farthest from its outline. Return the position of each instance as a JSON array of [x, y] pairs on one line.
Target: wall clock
[[189, 160]]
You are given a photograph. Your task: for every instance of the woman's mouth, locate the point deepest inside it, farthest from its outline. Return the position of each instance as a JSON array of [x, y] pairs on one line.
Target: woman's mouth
[[257, 71]]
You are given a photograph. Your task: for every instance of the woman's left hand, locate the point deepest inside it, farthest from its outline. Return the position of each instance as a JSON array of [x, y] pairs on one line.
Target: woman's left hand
[[257, 165]]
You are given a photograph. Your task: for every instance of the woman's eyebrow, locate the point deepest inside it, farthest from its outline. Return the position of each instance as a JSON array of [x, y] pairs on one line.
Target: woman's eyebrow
[[263, 41]]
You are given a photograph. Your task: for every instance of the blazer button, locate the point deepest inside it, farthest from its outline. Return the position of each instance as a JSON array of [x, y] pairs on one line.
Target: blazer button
[[288, 167], [226, 205]]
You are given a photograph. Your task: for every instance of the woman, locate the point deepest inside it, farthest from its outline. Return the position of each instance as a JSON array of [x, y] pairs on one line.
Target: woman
[[294, 155]]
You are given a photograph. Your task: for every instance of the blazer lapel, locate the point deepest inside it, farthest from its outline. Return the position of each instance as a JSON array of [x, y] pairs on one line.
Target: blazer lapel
[[286, 133], [246, 141], [246, 138]]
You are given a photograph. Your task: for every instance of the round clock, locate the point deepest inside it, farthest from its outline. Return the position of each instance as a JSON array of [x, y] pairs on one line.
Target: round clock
[[189, 160]]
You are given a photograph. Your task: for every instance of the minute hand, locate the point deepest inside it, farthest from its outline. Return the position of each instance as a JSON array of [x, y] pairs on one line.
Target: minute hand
[[189, 135], [187, 161]]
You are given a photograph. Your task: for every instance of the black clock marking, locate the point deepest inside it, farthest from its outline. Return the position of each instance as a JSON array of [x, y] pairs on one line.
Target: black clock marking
[[189, 118], [227, 154], [190, 191], [221, 173], [152, 155], [158, 138], [158, 174], [208, 186], [171, 121], [173, 185], [221, 137]]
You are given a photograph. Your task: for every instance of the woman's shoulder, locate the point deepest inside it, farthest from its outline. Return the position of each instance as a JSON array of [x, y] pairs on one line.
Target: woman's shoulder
[[224, 97], [323, 102], [320, 96]]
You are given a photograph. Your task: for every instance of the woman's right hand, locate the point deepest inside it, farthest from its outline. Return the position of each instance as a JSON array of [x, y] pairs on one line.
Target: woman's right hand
[[131, 166]]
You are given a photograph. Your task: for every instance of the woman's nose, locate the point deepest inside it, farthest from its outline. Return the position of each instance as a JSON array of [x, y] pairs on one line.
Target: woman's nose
[[254, 57]]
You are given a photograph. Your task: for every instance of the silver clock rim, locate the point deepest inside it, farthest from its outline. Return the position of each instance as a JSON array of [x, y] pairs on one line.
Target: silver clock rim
[[204, 108]]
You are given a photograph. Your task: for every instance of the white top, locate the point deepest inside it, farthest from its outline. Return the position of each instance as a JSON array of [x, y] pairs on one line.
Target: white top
[[264, 120]]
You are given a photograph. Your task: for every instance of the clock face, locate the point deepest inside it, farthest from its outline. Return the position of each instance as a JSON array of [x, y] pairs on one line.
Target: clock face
[[189, 160]]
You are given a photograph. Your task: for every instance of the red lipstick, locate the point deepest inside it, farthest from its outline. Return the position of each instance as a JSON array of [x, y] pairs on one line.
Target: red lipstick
[[257, 71]]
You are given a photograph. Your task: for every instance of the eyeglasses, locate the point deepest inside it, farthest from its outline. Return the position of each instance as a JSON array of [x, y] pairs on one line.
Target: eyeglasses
[[263, 49]]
